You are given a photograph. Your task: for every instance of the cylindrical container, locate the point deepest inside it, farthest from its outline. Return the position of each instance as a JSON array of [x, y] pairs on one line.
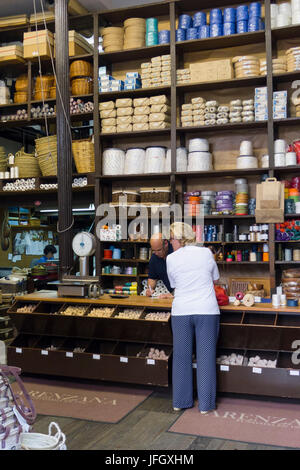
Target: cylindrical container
[[285, 8], [274, 10], [242, 26], [198, 145], [191, 33], [242, 13], [252, 256], [287, 254], [116, 253], [280, 146], [291, 158], [107, 254], [155, 160], [203, 32], [283, 20], [229, 15], [185, 21], [246, 148], [113, 161], [180, 34], [255, 9], [283, 300], [279, 159], [151, 25], [181, 159], [152, 38], [199, 161], [297, 205], [276, 300], [296, 255], [296, 17], [199, 19], [164, 36], [229, 28], [215, 30], [215, 16], [243, 162], [265, 161], [134, 161], [254, 24]]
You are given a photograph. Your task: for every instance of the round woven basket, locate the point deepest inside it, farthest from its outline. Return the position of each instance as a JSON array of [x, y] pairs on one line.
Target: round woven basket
[[27, 163], [81, 86], [52, 92], [81, 68], [22, 83], [3, 159], [46, 149], [40, 95], [45, 82], [20, 97], [84, 156]]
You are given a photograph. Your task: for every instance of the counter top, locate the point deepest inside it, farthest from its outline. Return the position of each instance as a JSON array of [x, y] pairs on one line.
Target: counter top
[[142, 301]]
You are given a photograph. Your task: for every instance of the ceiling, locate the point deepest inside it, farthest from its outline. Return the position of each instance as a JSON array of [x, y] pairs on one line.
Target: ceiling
[[18, 7]]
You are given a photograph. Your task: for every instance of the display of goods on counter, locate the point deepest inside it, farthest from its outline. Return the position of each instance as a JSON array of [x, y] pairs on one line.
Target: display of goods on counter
[[157, 72], [102, 312], [130, 314], [127, 114], [201, 112], [160, 288], [233, 359], [285, 14], [153, 353], [288, 230], [291, 283], [158, 316], [26, 309], [255, 361], [74, 310], [129, 288], [216, 22], [238, 360]]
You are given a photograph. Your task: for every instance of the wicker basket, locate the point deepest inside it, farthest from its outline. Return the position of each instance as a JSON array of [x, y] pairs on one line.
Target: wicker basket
[[46, 149], [155, 194], [27, 163], [21, 83], [40, 95], [20, 97], [52, 92], [132, 196], [45, 82], [3, 159], [37, 441], [84, 155], [82, 86], [81, 68]]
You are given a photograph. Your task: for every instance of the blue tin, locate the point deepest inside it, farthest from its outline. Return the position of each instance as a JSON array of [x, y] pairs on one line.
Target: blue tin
[[151, 24], [180, 34], [261, 24], [242, 27], [229, 15], [164, 36], [192, 33], [255, 9], [215, 16], [199, 19], [185, 22], [203, 32], [229, 28], [215, 29], [242, 13], [254, 24]]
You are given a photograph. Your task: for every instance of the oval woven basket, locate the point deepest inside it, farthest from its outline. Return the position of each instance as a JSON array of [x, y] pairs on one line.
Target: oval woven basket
[[40, 95], [44, 82], [84, 156], [81, 68], [46, 149], [27, 163], [81, 86], [20, 97], [21, 83], [3, 159], [52, 92]]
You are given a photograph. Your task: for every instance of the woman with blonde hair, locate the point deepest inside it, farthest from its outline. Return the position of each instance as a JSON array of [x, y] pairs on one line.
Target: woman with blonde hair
[[192, 271]]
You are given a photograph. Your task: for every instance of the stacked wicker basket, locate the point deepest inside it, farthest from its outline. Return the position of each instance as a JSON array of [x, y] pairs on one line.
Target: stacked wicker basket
[[81, 73], [3, 159], [84, 156], [21, 93], [113, 38], [135, 33], [46, 149], [27, 163], [43, 85]]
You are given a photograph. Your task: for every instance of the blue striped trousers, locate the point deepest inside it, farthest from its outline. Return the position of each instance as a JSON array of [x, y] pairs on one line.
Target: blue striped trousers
[[204, 329]]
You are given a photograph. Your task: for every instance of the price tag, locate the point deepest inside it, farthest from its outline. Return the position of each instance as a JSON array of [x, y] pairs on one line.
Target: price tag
[[69, 354], [19, 350], [224, 368], [151, 362], [256, 370], [194, 365], [123, 359], [44, 352], [294, 372], [96, 356]]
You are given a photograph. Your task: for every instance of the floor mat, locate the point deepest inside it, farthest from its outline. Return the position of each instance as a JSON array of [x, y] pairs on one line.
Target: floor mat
[[254, 421], [84, 401]]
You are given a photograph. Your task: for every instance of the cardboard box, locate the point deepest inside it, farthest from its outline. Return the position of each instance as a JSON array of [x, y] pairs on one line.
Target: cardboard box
[[35, 43], [12, 53], [77, 45], [211, 71]]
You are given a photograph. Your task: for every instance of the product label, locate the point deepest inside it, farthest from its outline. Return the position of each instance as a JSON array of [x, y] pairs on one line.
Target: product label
[[69, 354], [96, 356], [224, 368], [124, 359], [44, 352], [19, 350], [256, 370], [194, 365], [294, 372], [151, 362]]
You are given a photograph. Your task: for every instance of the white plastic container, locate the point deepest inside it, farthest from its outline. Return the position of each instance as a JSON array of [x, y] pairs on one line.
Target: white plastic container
[[134, 161], [113, 161], [198, 145], [265, 161], [246, 162], [279, 159], [283, 20], [246, 148], [155, 160], [290, 159], [280, 146], [199, 161]]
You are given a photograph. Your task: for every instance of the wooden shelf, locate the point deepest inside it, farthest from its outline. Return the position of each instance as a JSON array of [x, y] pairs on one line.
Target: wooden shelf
[[234, 83], [223, 127], [134, 93], [106, 58], [287, 32], [119, 135], [222, 173]]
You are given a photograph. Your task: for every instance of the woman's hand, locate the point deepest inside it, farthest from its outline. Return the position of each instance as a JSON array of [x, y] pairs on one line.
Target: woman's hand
[[165, 296]]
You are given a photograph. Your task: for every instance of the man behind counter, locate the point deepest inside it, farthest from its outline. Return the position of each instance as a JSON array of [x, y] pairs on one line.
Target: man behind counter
[[161, 248]]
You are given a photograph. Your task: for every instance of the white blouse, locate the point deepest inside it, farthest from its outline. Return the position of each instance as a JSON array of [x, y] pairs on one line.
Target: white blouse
[[191, 271]]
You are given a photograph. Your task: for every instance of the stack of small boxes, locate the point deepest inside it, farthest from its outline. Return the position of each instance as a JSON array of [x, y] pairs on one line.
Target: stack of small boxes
[[124, 114], [261, 104], [183, 76], [141, 114], [160, 112], [132, 81], [157, 72], [193, 114], [241, 111], [108, 115], [108, 83], [280, 104]]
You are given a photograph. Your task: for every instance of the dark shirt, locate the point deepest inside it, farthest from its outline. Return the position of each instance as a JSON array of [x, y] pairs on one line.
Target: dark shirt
[[158, 268]]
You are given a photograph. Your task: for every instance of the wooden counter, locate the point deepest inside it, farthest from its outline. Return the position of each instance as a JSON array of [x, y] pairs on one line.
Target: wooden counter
[[142, 301]]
